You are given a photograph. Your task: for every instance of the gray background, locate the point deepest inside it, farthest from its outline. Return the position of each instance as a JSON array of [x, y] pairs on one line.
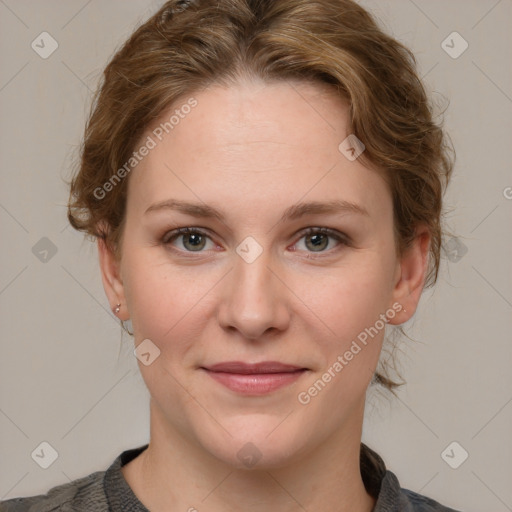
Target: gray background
[[67, 376]]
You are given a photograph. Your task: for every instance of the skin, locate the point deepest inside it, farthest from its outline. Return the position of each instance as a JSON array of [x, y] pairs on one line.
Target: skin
[[252, 150]]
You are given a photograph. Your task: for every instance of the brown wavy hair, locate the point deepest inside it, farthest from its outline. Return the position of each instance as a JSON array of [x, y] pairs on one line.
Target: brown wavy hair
[[188, 45]]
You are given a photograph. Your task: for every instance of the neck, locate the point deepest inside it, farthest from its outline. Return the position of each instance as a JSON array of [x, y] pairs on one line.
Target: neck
[[175, 474]]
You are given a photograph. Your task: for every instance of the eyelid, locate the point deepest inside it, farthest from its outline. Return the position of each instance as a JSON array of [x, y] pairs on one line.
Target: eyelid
[[175, 233], [312, 230], [340, 237]]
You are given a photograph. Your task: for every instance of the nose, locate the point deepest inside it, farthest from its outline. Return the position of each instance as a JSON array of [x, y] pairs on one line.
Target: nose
[[254, 300]]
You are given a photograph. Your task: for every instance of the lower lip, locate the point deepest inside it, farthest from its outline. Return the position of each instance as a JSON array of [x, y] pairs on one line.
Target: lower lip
[[256, 383]]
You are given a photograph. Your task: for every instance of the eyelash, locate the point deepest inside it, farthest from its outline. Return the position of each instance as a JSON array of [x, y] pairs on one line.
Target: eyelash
[[341, 238]]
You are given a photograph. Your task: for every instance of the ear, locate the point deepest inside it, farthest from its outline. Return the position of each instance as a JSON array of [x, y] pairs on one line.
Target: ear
[[112, 282], [411, 274]]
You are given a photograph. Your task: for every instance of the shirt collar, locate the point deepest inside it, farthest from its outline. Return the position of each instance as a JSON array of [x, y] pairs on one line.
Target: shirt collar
[[378, 481]]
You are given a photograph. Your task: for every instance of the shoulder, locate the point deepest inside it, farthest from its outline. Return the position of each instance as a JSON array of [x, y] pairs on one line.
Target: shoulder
[[92, 493], [384, 486], [422, 503], [404, 500], [86, 492]]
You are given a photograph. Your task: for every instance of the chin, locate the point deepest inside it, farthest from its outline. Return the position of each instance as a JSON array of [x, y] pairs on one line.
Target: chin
[[253, 456], [256, 442]]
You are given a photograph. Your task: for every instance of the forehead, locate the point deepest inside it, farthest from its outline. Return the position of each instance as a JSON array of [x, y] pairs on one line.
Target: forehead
[[250, 143]]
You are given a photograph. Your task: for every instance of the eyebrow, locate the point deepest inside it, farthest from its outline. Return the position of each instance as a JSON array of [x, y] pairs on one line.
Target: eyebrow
[[293, 212]]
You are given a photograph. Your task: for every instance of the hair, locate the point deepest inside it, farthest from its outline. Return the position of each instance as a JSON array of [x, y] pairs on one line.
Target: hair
[[189, 45]]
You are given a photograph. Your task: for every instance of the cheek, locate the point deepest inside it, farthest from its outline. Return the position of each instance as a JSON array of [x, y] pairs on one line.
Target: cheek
[[164, 301], [349, 298], [349, 312], [348, 304]]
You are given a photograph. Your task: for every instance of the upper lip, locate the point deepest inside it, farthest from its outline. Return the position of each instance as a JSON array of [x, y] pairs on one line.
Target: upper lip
[[250, 368]]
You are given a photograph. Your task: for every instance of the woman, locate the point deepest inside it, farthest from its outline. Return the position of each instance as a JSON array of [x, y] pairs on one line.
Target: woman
[[264, 179]]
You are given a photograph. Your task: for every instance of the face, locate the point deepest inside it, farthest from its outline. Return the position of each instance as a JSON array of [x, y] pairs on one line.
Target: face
[[251, 238]]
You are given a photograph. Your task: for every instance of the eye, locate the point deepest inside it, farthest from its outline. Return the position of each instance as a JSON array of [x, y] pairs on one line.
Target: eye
[[190, 239], [321, 239], [316, 240]]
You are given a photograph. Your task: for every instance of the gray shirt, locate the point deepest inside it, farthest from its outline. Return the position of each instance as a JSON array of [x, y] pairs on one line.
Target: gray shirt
[[108, 491]]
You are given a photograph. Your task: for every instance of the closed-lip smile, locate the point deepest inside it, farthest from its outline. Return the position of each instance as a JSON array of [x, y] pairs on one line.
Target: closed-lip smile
[[254, 378]]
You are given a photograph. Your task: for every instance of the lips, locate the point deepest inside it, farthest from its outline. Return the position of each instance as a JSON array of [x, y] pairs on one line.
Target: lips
[[248, 369], [254, 379]]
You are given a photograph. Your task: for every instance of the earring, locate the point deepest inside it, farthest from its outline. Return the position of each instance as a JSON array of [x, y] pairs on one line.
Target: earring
[[127, 326], [117, 309]]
